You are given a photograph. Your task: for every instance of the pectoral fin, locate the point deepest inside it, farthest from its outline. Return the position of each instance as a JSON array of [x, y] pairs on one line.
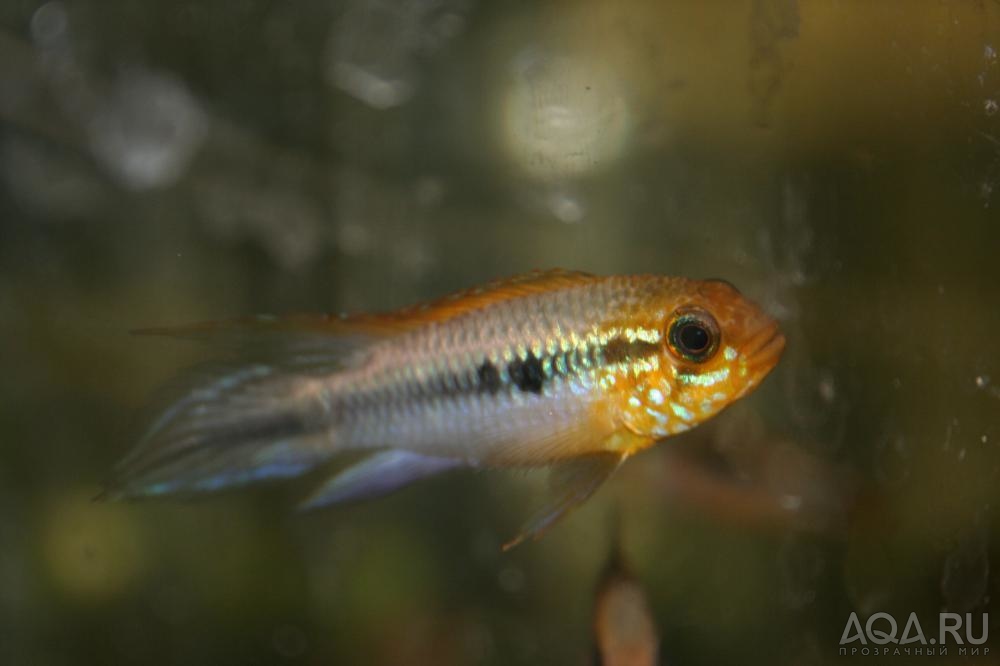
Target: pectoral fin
[[570, 484], [375, 476]]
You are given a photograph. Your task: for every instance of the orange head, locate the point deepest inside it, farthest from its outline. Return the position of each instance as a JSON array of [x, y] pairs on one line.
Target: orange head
[[715, 346]]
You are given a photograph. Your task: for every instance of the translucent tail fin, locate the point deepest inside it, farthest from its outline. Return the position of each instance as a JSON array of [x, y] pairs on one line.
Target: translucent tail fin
[[234, 426]]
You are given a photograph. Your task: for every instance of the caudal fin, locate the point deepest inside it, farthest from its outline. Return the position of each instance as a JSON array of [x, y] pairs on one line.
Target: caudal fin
[[234, 426]]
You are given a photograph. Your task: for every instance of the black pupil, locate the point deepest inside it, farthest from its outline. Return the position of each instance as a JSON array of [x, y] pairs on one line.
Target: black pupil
[[693, 338]]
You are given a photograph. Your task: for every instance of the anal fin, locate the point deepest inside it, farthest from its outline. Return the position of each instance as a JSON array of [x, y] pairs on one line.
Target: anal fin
[[570, 484], [376, 476]]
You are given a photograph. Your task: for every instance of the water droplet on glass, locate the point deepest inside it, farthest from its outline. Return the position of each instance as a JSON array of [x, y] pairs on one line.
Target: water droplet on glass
[[148, 130], [563, 116], [567, 208], [91, 550], [49, 24], [827, 389], [371, 51]]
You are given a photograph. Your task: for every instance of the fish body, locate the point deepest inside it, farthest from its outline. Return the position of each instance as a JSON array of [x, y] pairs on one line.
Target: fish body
[[552, 368]]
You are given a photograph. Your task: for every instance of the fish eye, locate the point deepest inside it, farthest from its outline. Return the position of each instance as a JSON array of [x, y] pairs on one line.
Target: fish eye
[[693, 335]]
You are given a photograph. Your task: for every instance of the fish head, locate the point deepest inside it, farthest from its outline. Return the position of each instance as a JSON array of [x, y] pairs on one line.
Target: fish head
[[716, 346]]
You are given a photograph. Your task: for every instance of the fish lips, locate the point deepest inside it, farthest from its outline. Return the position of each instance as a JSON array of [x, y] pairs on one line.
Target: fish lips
[[764, 349]]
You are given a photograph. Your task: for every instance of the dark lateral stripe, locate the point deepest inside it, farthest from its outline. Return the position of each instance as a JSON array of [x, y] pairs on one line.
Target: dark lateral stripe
[[622, 350], [530, 373]]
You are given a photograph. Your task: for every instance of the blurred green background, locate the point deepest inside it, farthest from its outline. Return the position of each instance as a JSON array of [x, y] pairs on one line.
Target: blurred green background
[[165, 162]]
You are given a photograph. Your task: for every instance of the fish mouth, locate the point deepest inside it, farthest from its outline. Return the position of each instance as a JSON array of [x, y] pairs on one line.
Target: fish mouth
[[765, 348]]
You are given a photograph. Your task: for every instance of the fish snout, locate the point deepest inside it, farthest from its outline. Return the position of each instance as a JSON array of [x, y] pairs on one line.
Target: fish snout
[[764, 347]]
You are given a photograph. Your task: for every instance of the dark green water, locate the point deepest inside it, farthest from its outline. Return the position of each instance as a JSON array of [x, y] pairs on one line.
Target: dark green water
[[166, 162]]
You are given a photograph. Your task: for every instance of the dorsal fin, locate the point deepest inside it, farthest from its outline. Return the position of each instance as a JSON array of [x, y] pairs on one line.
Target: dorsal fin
[[470, 300], [363, 326]]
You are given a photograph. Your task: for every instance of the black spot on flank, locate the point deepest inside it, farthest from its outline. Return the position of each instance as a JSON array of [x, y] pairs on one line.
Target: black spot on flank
[[528, 374], [488, 377]]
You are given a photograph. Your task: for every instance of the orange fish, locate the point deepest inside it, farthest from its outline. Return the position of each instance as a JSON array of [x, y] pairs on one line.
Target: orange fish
[[560, 369]]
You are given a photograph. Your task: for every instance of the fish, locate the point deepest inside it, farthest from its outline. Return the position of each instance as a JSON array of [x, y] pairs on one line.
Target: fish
[[556, 369], [625, 632]]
